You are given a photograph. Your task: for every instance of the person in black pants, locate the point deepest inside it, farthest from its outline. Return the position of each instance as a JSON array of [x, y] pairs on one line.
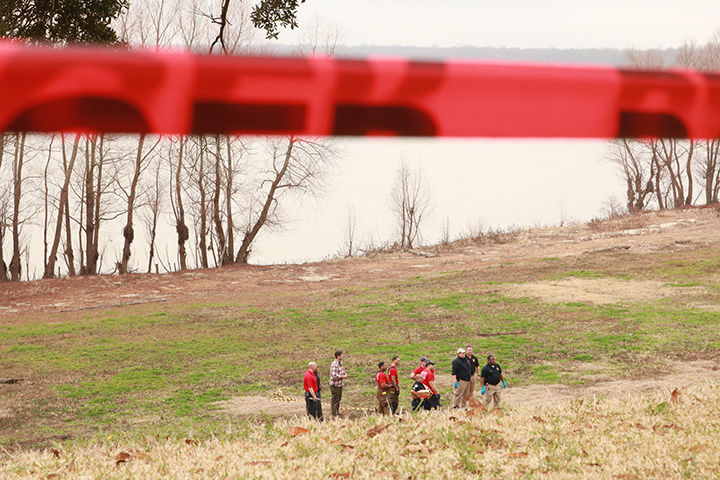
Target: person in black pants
[[311, 385]]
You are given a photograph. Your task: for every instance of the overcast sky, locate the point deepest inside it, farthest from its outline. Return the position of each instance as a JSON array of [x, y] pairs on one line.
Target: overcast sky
[[518, 23], [476, 182]]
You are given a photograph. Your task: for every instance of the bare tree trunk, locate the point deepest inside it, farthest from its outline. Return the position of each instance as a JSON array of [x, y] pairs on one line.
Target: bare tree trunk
[[181, 228], [18, 160], [82, 216], [62, 203], [222, 21], [203, 207], [350, 234], [3, 218], [250, 234], [128, 231], [93, 245], [219, 231], [668, 156], [639, 183], [689, 173], [46, 194], [711, 171], [69, 256], [90, 159], [228, 200], [658, 175], [155, 213], [3, 266]]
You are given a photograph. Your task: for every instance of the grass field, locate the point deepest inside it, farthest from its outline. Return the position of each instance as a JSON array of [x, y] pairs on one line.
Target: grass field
[[161, 369], [662, 435]]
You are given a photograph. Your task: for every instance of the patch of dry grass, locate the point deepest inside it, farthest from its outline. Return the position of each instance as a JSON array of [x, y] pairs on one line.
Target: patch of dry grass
[[660, 435]]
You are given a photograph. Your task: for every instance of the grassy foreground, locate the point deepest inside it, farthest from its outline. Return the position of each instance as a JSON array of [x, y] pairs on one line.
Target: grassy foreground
[[661, 435]]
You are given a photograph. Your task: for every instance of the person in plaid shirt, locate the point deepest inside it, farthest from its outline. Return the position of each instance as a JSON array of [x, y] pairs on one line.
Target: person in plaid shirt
[[337, 376]]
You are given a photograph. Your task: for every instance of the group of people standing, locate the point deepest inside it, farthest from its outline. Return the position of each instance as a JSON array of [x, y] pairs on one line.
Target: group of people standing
[[466, 372], [424, 393]]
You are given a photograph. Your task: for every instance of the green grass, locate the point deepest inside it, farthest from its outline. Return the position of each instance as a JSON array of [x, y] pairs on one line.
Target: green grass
[[110, 370]]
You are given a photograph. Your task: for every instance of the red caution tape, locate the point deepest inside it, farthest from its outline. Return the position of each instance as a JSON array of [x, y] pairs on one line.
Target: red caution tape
[[46, 89]]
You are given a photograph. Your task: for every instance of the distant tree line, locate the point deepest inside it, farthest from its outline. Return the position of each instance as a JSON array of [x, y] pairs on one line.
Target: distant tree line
[[671, 173]]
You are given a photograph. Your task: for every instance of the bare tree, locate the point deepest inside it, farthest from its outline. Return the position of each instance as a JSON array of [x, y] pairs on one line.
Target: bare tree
[[709, 169], [231, 170], [663, 167], [708, 166], [222, 21], [154, 207], [94, 159], [445, 239], [297, 166], [4, 217], [202, 202], [17, 177], [69, 255], [410, 202], [139, 165], [4, 208], [46, 194], [636, 170], [612, 208], [176, 199], [320, 37], [62, 204], [224, 254], [350, 247]]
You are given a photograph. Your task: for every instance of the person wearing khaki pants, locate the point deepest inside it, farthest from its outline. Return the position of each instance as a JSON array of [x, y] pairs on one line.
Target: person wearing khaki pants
[[492, 395], [492, 382], [461, 373], [475, 366]]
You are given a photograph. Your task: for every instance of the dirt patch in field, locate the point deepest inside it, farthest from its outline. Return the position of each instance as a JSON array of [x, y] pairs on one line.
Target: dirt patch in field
[[597, 290], [538, 395]]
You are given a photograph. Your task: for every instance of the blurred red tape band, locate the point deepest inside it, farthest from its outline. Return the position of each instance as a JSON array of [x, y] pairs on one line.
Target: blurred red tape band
[[47, 89]]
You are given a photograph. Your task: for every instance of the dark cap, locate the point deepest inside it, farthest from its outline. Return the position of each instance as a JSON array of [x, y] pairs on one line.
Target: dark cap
[[424, 359], [430, 362]]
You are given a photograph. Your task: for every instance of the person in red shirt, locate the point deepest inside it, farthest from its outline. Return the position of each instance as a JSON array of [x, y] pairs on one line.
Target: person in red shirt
[[416, 374], [313, 404], [428, 379], [383, 389], [394, 395]]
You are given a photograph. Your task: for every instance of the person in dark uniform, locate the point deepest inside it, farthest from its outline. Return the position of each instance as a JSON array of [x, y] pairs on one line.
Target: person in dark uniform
[[475, 365], [490, 378], [461, 374]]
